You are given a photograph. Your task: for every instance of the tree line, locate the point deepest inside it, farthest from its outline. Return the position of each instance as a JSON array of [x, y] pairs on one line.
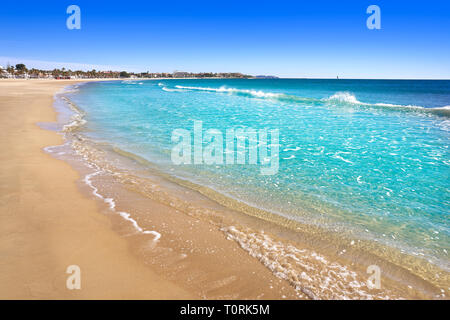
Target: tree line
[[21, 70]]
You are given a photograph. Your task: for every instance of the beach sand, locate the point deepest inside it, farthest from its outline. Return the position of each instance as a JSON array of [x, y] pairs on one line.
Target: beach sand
[[49, 223], [51, 219]]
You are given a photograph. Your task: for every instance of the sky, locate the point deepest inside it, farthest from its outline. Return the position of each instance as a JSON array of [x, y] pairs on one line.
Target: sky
[[305, 39]]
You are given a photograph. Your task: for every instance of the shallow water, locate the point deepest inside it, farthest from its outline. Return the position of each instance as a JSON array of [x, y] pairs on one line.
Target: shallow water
[[361, 176], [368, 158]]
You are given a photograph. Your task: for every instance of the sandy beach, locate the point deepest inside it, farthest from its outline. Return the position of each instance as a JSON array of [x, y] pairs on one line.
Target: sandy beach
[[54, 215], [49, 223], [196, 155]]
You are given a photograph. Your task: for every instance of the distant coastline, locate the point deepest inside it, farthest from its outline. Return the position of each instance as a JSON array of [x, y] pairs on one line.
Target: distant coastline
[[20, 71]]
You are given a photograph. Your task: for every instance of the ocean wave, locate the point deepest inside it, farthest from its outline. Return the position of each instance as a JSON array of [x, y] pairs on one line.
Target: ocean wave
[[343, 98], [348, 98], [443, 111], [172, 90], [253, 93], [130, 82], [76, 120]]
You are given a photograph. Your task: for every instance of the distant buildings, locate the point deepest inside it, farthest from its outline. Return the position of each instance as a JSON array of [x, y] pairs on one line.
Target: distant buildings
[[4, 73], [180, 74], [21, 72]]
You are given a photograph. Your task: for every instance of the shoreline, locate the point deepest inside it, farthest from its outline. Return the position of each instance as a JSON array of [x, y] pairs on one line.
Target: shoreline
[[47, 225], [195, 234], [250, 218], [321, 254]]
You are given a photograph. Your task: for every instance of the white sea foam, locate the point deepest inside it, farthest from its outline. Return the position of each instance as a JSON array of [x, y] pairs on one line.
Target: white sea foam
[[172, 90], [129, 82], [338, 97], [348, 98], [310, 273], [76, 121], [112, 206], [343, 97], [254, 93]]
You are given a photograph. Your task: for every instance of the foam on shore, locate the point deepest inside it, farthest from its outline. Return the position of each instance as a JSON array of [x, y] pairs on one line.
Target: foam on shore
[[112, 205], [320, 281]]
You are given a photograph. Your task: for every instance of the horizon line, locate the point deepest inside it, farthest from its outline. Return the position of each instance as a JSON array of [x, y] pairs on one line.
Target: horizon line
[[101, 68]]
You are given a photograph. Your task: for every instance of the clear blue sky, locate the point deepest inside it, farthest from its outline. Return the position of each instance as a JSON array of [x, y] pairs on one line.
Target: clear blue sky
[[285, 38]]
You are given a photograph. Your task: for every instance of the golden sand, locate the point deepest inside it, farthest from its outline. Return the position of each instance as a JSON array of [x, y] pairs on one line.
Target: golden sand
[[51, 220], [48, 224]]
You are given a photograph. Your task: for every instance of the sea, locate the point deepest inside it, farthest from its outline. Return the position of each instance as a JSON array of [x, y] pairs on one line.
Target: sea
[[365, 161]]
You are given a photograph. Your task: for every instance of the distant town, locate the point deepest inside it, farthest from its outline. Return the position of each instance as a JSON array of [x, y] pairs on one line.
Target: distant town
[[20, 71]]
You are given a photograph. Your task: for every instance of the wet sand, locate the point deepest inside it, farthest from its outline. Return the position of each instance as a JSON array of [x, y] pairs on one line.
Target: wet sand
[[50, 223], [52, 219], [47, 224]]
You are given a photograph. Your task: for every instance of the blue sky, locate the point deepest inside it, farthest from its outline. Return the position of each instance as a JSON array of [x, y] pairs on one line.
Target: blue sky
[[284, 38]]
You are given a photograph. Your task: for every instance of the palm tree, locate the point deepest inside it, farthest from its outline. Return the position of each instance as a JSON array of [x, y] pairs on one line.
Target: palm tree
[[10, 69]]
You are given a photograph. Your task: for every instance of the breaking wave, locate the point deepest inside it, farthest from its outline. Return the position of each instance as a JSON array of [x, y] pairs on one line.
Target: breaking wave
[[337, 98], [172, 90], [246, 92], [348, 98]]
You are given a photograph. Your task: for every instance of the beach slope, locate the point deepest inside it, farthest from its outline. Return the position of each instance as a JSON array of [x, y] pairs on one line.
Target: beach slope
[[47, 224]]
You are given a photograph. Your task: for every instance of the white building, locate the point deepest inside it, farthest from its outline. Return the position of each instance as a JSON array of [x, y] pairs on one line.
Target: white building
[[4, 73]]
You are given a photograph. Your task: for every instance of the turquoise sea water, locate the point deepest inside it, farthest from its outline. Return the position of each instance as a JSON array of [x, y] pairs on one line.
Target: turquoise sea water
[[365, 157]]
